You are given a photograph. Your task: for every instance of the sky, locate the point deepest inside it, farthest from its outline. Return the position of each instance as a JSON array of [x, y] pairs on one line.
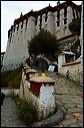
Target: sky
[[11, 10]]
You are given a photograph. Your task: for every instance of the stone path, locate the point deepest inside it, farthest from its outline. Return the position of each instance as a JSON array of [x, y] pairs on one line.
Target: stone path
[[69, 94], [8, 114]]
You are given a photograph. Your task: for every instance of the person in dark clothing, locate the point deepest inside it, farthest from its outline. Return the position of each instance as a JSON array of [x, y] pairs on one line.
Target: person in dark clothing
[[2, 97]]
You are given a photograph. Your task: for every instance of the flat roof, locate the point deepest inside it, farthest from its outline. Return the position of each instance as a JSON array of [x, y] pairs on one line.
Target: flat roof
[[42, 79], [67, 53], [31, 71]]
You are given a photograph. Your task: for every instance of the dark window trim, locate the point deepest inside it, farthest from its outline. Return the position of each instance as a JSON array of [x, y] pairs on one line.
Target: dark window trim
[[65, 12], [36, 22], [40, 26], [65, 21], [58, 15], [46, 18], [58, 23], [22, 25], [26, 23]]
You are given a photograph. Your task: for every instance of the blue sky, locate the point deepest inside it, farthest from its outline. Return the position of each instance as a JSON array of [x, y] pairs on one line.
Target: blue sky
[[11, 10]]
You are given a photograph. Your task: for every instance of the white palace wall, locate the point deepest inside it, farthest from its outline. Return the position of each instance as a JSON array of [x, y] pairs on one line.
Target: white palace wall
[[17, 45]]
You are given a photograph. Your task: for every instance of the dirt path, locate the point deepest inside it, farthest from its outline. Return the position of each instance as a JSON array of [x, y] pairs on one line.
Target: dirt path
[[8, 114]]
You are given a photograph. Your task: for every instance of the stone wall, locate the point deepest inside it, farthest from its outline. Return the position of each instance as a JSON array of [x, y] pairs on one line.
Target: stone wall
[[69, 40], [26, 94], [74, 71], [44, 102]]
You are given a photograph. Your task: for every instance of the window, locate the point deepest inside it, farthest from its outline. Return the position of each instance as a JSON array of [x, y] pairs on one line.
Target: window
[[14, 29], [40, 19], [58, 23], [58, 18], [46, 18], [40, 22], [69, 58], [65, 12], [40, 26], [36, 22], [58, 15], [22, 25], [65, 21], [8, 33], [26, 23]]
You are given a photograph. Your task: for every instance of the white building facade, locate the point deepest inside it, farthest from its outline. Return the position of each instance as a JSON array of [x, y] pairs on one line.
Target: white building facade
[[54, 19], [81, 40]]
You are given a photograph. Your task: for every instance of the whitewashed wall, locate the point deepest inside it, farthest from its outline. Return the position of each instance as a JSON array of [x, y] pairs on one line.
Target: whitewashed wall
[[75, 72], [47, 99], [61, 61], [81, 37], [17, 48], [44, 103]]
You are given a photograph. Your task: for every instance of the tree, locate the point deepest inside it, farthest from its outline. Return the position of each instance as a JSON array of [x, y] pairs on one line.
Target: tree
[[43, 43], [75, 25]]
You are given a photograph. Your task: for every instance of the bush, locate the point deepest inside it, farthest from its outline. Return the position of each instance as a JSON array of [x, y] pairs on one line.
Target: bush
[[11, 78], [43, 43], [27, 112], [75, 25]]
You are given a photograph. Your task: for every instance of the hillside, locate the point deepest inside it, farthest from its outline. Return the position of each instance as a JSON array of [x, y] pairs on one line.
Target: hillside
[[11, 78]]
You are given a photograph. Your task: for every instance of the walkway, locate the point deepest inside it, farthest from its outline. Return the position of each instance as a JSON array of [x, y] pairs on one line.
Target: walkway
[[69, 94], [8, 114]]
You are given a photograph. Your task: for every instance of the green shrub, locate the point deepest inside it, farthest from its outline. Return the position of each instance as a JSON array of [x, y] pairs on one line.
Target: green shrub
[[11, 78], [75, 25]]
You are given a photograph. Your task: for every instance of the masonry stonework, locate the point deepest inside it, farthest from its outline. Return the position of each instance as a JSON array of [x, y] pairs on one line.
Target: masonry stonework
[[75, 71]]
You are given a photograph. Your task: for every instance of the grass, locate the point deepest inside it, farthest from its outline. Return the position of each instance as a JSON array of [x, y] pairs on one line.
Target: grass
[[25, 111], [11, 78]]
